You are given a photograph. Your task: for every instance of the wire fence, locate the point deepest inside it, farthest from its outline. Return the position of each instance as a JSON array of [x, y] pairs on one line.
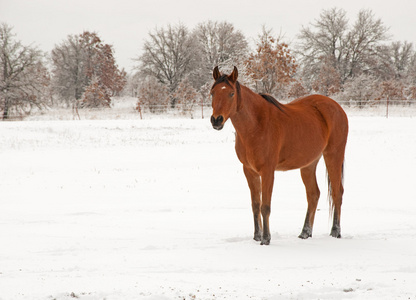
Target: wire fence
[[127, 110], [382, 108]]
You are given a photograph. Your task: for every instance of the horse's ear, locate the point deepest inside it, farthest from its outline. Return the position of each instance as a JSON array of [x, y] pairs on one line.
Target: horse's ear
[[233, 76], [216, 73]]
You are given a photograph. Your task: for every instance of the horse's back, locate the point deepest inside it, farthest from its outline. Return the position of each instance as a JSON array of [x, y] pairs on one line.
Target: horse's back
[[330, 110], [323, 103], [332, 116]]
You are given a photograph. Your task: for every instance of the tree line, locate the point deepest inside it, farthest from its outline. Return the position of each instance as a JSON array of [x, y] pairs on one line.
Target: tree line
[[331, 56]]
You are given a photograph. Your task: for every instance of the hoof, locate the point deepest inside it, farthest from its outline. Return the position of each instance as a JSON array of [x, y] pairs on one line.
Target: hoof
[[336, 232], [336, 235], [265, 241], [306, 233], [257, 238]]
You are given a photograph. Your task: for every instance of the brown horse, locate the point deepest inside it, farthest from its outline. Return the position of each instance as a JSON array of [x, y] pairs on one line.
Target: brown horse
[[271, 136]]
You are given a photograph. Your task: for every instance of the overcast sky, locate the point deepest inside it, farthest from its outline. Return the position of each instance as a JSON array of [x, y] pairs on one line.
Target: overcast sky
[[125, 24]]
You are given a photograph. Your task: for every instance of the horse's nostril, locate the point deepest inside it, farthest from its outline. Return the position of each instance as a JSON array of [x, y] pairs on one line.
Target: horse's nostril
[[217, 122]]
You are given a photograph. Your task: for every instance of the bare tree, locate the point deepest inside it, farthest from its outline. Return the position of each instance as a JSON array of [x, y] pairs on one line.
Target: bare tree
[[324, 41], [169, 55], [69, 69], [359, 90], [394, 61], [329, 40], [220, 45], [411, 72], [391, 76], [132, 84], [402, 58], [23, 76], [363, 40]]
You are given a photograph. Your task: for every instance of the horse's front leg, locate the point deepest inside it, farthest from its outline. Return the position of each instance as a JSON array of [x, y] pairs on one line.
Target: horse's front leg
[[267, 179], [254, 183]]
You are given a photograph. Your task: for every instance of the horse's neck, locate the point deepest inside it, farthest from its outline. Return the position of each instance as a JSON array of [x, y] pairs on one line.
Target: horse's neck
[[251, 114]]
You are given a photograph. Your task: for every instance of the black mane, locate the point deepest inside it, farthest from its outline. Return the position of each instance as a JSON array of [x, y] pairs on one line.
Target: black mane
[[268, 98], [273, 101]]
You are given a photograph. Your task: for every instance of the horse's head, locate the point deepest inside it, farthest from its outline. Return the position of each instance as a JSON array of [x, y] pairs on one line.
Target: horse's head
[[225, 97]]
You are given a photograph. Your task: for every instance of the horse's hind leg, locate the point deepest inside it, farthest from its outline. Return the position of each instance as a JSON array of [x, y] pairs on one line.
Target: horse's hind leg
[[254, 183], [334, 164], [312, 193]]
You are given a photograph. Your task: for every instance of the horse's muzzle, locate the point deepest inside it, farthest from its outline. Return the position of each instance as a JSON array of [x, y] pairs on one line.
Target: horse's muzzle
[[218, 122]]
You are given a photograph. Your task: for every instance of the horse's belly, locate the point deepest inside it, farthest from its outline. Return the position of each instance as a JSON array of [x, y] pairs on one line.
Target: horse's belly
[[283, 154], [296, 155], [298, 163]]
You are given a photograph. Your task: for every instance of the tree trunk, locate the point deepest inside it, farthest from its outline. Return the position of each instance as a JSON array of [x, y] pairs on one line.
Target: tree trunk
[[5, 110]]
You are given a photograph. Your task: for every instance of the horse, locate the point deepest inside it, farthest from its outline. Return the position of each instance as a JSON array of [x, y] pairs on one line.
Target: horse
[[271, 136]]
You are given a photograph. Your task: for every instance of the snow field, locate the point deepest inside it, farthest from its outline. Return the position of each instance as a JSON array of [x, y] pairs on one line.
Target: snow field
[[160, 209]]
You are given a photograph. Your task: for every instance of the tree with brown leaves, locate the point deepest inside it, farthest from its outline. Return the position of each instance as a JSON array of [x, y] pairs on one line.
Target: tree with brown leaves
[[81, 58], [153, 95], [272, 66], [186, 96], [296, 90], [95, 95], [328, 81]]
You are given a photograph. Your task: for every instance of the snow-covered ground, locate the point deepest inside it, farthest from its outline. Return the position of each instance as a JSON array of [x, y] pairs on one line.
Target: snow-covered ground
[[159, 209]]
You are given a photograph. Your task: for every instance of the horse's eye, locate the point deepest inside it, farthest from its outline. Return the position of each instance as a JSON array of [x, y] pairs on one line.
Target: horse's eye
[[231, 94]]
